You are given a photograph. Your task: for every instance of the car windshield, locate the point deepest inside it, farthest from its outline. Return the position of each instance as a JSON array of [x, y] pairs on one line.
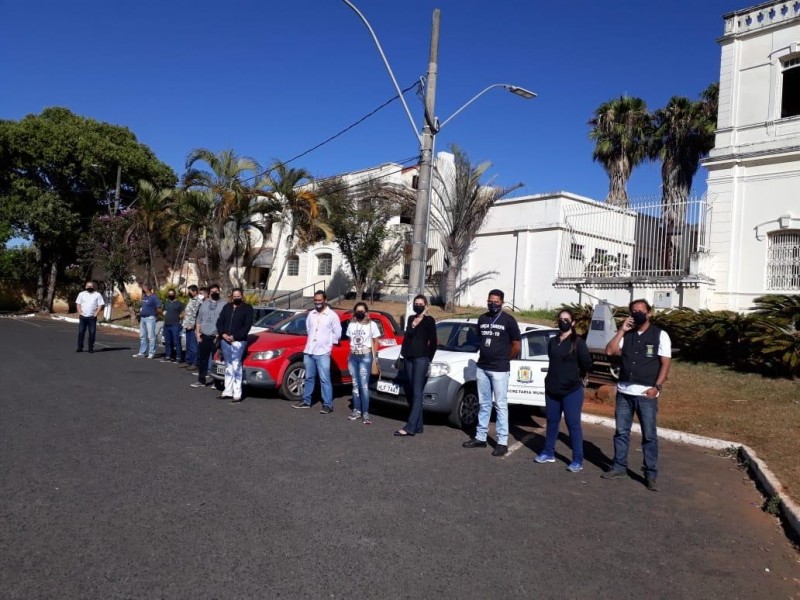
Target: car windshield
[[295, 325], [458, 337], [273, 318]]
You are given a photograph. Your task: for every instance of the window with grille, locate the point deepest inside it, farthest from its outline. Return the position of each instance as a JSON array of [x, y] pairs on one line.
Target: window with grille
[[790, 98], [293, 266], [783, 261], [324, 264], [576, 251]]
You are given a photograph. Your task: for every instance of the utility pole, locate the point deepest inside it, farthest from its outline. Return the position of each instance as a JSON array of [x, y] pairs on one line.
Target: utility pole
[[419, 248], [110, 290]]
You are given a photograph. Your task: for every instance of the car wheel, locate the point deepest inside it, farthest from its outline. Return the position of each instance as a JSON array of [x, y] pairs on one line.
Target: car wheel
[[292, 385], [465, 412], [220, 385]]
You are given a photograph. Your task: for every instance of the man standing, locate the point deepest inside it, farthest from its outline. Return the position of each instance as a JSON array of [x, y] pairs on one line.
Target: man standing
[[190, 320], [324, 330], [646, 354], [172, 329], [89, 303], [500, 342], [147, 323], [206, 333], [233, 326]]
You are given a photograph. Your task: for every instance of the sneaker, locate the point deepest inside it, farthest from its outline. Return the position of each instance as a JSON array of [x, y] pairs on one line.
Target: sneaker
[[151, 356], [326, 410], [138, 355], [355, 416], [545, 457], [614, 474], [198, 384], [575, 467], [196, 373], [473, 443], [91, 350], [651, 484], [301, 404], [500, 450], [367, 420], [164, 360]]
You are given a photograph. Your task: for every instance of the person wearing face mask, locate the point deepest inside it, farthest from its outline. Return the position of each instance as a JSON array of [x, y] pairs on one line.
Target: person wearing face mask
[[172, 328], [189, 321], [500, 342], [570, 361], [419, 347], [324, 329], [646, 353], [89, 304], [233, 325], [363, 334], [151, 306], [206, 333]]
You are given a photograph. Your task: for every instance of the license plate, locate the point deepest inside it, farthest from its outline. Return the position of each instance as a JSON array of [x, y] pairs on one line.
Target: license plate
[[388, 387], [220, 369]]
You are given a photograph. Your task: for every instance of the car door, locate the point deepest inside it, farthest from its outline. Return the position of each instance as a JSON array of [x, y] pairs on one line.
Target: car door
[[340, 372], [526, 380]]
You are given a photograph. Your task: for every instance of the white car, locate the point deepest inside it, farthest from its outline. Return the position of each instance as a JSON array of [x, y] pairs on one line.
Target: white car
[[451, 385]]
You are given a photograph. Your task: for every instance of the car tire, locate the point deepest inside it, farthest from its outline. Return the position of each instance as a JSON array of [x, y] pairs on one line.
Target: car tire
[[465, 411], [292, 384]]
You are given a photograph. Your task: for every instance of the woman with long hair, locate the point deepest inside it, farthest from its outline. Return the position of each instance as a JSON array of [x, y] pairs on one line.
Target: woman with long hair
[[363, 334]]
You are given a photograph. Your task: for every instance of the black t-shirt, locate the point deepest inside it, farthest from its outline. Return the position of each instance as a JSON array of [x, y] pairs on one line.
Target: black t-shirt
[[172, 312], [497, 332]]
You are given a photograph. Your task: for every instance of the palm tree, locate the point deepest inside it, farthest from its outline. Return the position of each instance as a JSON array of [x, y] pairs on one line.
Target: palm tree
[[620, 131], [150, 217], [240, 203], [459, 209], [301, 212], [194, 210]]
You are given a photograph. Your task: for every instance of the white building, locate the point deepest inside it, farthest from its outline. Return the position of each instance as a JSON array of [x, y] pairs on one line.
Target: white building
[[754, 169]]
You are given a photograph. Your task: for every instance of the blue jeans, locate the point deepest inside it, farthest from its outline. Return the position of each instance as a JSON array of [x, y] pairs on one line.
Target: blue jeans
[[417, 376], [492, 382], [646, 410], [318, 364], [233, 353], [86, 324], [172, 342], [360, 367], [147, 335], [191, 347], [570, 405]]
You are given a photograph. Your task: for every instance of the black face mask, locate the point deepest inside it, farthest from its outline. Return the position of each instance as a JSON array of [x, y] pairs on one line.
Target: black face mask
[[90, 290], [494, 308], [418, 310], [564, 326], [360, 314], [237, 301], [171, 296], [639, 318], [215, 296]]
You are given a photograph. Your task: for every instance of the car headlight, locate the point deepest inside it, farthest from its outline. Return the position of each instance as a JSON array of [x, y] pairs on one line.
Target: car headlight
[[267, 355], [437, 369]]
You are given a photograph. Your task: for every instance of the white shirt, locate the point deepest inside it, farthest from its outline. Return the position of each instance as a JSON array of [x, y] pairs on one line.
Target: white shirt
[[361, 336], [89, 302], [664, 349], [324, 330]]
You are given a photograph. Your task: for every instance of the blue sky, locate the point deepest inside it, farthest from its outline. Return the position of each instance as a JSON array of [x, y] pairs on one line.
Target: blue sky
[[272, 79]]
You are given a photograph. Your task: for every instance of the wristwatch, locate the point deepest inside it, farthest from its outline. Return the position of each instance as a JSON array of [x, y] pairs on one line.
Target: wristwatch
[[659, 387]]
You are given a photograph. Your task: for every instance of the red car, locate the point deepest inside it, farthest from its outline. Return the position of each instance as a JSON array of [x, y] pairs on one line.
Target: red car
[[274, 358]]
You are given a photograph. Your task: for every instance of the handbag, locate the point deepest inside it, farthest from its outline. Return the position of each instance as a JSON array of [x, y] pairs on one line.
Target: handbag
[[376, 367]]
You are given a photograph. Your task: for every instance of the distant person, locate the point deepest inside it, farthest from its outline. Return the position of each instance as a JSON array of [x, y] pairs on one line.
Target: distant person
[[206, 333], [324, 330], [418, 349], [646, 354], [364, 334], [89, 303], [569, 362], [151, 305], [233, 325], [500, 342], [172, 329], [190, 320]]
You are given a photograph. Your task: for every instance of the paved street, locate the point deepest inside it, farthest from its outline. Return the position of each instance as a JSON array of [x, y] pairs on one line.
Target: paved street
[[120, 481]]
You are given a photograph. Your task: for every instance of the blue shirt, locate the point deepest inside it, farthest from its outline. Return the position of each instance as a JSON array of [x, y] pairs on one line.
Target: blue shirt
[[150, 305]]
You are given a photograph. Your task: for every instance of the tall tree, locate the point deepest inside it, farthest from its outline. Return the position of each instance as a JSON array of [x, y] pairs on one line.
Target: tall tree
[[53, 181], [459, 208], [194, 210], [358, 216], [150, 218], [620, 130]]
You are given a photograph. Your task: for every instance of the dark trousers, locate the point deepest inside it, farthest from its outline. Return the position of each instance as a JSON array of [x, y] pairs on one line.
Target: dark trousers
[[172, 342], [417, 376], [570, 405], [84, 324], [204, 351]]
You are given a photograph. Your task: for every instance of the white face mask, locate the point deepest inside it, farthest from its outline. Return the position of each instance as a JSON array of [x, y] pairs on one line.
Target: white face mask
[[201, 296]]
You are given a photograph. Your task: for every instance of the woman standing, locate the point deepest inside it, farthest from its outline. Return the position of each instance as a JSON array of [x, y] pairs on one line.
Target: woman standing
[[364, 335], [419, 346], [569, 363]]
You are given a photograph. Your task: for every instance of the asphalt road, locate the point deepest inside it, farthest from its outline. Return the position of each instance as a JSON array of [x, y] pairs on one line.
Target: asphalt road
[[118, 480]]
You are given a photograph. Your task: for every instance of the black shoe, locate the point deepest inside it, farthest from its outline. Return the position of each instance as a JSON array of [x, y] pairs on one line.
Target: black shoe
[[79, 350], [473, 443], [614, 474], [500, 450], [651, 484], [326, 410], [91, 350], [402, 433], [224, 397], [235, 400], [301, 404]]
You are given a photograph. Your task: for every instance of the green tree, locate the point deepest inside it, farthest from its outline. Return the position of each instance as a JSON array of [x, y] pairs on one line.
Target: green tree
[[459, 207], [150, 219], [53, 173], [620, 131], [193, 210]]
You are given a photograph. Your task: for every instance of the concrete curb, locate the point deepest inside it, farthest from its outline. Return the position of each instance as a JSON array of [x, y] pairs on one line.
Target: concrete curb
[[108, 325], [757, 468]]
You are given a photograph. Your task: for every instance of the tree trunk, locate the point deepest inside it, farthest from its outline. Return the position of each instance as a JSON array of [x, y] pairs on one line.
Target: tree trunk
[[275, 256], [126, 296], [39, 280], [51, 288], [617, 189], [450, 303], [280, 275], [152, 263]]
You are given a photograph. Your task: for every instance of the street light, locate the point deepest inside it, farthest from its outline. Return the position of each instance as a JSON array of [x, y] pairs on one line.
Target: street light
[[431, 126]]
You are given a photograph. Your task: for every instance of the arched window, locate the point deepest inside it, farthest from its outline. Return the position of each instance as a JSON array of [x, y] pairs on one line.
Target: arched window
[[790, 97], [293, 266], [783, 261], [324, 264]]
